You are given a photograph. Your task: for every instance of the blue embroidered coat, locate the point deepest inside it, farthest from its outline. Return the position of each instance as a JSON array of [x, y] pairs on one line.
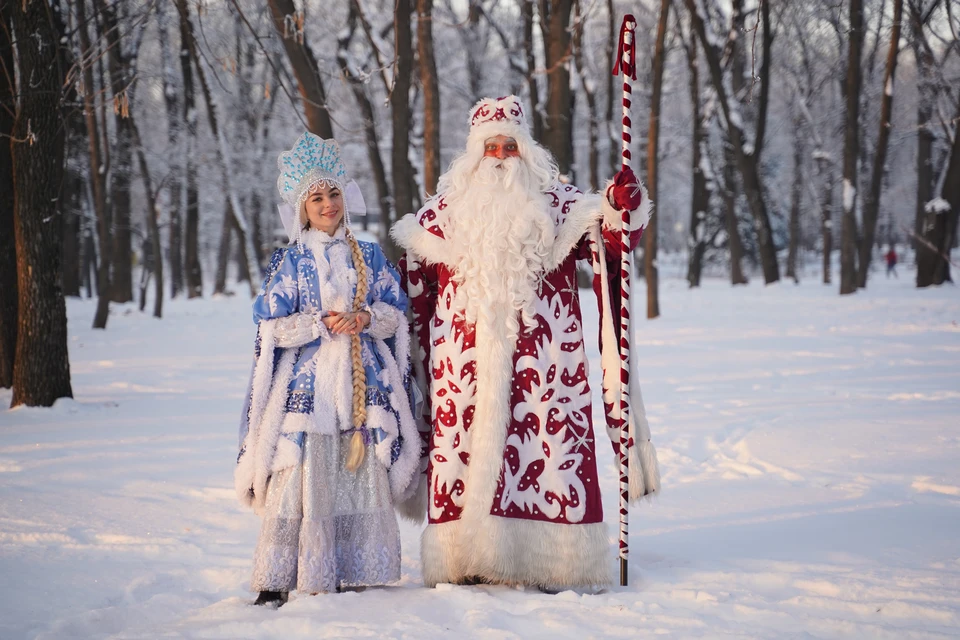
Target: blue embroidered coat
[[302, 378]]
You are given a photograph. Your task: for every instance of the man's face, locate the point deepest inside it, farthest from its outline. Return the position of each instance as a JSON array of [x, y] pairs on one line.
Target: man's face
[[501, 147]]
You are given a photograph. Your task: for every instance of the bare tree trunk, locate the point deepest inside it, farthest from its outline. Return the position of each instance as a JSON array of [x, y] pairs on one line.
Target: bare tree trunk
[[8, 248], [475, 47], [89, 263], [940, 221], [431, 96], [244, 262], [72, 226], [152, 226], [926, 102], [256, 228], [589, 92], [526, 16], [41, 371], [74, 178], [258, 123], [223, 252], [650, 269], [871, 203], [734, 242], [223, 155], [122, 74], [796, 198], [614, 128], [194, 271], [358, 86], [700, 195], [171, 95], [747, 158], [305, 67], [96, 174], [558, 128], [400, 108], [951, 219], [848, 237], [825, 175]]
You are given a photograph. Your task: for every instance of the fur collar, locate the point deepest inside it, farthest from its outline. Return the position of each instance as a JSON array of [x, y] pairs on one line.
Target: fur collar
[[335, 270]]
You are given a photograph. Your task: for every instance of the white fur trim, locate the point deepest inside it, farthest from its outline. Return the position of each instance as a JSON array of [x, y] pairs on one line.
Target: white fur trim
[[266, 419], [308, 423], [644, 472], [512, 551], [492, 410], [639, 217], [424, 245], [491, 129], [380, 418], [333, 386], [243, 475], [287, 455], [403, 471], [584, 213], [414, 508], [385, 320]]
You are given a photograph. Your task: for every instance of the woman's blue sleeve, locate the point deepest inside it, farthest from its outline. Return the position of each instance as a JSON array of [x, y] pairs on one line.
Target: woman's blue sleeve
[[279, 296], [386, 281]]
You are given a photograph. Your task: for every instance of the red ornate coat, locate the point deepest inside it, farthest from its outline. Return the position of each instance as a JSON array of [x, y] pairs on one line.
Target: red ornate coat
[[510, 451]]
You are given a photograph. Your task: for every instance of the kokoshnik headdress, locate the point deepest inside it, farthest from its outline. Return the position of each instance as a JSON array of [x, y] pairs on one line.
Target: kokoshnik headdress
[[311, 164]]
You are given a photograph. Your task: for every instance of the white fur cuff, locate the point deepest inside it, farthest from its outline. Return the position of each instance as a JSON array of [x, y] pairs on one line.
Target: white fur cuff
[[611, 216]]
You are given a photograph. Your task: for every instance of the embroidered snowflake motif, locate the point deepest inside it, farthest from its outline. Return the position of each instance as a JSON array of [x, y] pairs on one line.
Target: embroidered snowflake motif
[[275, 261], [372, 362], [308, 367], [308, 273], [386, 284], [285, 289]]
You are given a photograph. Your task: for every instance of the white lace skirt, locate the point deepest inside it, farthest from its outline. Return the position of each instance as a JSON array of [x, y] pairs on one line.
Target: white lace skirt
[[325, 527]]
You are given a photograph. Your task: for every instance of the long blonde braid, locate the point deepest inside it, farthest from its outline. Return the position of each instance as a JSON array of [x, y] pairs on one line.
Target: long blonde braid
[[357, 445]]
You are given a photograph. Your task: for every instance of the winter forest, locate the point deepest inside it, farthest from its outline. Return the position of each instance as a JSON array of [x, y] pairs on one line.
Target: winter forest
[[790, 147]]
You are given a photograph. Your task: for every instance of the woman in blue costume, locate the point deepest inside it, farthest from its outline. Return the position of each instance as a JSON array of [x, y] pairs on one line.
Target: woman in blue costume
[[328, 444]]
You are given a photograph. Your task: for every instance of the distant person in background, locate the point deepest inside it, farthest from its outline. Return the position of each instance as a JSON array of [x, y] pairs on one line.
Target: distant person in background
[[328, 443], [891, 258]]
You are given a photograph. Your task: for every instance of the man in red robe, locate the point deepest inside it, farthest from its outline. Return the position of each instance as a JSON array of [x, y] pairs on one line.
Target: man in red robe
[[510, 469]]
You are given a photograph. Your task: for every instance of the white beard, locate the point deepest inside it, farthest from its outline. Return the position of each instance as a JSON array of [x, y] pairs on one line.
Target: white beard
[[501, 232]]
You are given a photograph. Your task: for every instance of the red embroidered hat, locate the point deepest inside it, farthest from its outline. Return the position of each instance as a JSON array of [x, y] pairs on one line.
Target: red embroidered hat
[[498, 116]]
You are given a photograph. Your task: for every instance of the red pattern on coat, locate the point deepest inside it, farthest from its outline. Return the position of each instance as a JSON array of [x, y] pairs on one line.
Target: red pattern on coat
[[550, 397]]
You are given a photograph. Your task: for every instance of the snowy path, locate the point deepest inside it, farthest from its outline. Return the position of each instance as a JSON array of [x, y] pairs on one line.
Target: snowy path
[[810, 447]]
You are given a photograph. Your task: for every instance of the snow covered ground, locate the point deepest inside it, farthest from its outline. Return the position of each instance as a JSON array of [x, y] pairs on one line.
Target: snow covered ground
[[810, 448]]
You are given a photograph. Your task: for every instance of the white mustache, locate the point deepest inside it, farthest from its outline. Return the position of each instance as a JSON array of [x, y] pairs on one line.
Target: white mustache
[[493, 171]]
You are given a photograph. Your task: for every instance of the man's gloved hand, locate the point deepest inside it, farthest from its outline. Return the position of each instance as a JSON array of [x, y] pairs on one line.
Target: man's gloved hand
[[625, 192]]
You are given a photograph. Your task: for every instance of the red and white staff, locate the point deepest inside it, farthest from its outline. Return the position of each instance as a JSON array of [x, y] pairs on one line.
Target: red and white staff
[[627, 62]]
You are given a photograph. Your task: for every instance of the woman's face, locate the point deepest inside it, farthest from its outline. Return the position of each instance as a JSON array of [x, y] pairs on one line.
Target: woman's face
[[323, 209]]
